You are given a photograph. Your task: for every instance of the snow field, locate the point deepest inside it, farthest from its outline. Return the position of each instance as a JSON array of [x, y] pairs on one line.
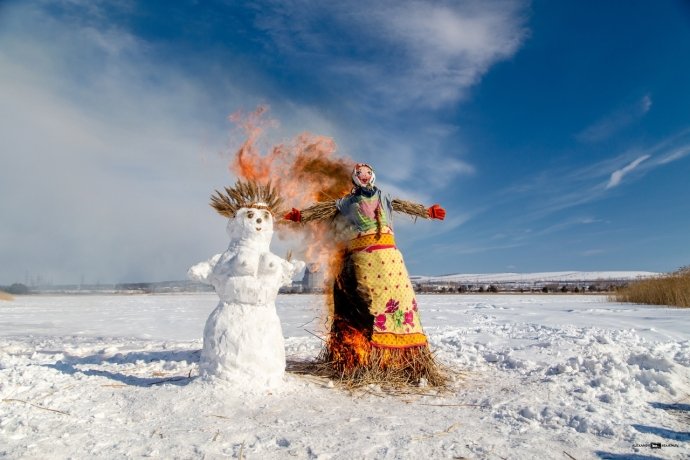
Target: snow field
[[537, 376]]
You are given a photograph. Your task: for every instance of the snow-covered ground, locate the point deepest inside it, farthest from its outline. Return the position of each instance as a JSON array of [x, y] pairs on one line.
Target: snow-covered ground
[[539, 377]]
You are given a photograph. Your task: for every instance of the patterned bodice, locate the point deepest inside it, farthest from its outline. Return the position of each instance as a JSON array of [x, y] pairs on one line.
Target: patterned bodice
[[362, 210]]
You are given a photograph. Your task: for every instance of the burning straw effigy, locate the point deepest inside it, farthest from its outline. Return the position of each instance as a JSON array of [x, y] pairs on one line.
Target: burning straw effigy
[[376, 334]]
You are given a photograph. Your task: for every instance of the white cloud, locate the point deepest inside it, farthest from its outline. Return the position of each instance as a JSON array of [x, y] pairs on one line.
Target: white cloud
[[645, 104], [415, 158], [405, 58], [616, 121], [675, 155], [617, 176], [566, 225], [554, 190], [473, 248], [448, 46], [107, 155], [402, 53]]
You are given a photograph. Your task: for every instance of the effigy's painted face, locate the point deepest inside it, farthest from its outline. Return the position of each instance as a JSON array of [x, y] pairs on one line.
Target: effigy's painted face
[[364, 174]]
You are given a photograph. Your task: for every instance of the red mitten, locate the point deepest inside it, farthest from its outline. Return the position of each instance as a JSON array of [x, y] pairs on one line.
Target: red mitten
[[293, 215], [436, 212]]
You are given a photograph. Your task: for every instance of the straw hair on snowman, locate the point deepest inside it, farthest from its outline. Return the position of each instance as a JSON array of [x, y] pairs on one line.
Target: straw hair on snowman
[[248, 194]]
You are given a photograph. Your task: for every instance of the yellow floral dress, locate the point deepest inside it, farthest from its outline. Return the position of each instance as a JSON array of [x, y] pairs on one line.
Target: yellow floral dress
[[373, 291]]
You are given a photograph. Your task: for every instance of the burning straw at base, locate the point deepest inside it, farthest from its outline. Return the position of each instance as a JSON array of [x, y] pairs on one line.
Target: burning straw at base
[[356, 362]]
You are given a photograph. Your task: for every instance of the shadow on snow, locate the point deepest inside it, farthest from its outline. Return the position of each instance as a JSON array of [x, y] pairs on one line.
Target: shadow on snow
[[70, 365], [612, 456], [678, 407], [663, 432]]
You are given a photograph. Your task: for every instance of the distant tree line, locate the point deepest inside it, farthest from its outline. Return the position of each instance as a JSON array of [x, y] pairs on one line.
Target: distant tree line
[[15, 289], [431, 288]]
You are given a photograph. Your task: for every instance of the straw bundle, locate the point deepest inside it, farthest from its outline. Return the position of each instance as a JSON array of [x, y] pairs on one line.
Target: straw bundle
[[408, 207], [392, 370], [246, 195], [319, 211]]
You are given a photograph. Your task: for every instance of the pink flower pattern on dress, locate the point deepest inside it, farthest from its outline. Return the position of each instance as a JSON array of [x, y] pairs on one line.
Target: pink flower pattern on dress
[[399, 319], [409, 318], [380, 322], [392, 306]]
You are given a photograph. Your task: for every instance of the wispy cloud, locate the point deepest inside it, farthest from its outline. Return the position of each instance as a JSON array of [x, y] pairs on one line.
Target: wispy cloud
[[534, 201], [616, 121], [473, 248], [402, 53], [561, 226], [448, 46], [674, 155], [617, 175]]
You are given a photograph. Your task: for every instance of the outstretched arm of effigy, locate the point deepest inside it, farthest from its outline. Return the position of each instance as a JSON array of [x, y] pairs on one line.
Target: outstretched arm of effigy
[[408, 207], [418, 210], [319, 211]]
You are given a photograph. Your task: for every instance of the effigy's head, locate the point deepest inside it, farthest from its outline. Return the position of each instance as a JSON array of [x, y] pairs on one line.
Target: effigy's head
[[363, 175], [250, 208]]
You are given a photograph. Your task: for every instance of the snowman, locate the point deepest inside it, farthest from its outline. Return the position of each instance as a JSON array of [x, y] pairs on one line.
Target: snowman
[[243, 340]]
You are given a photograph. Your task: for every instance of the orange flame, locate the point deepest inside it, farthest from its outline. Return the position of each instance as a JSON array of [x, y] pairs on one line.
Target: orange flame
[[305, 170], [248, 162], [348, 347]]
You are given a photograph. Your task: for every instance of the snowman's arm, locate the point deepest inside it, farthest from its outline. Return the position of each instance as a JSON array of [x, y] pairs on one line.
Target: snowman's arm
[[202, 271], [290, 270]]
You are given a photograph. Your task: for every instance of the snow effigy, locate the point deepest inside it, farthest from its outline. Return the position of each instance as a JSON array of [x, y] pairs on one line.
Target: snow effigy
[[243, 339]]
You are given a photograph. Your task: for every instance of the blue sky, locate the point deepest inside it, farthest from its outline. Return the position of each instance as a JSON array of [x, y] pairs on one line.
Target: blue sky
[[556, 134]]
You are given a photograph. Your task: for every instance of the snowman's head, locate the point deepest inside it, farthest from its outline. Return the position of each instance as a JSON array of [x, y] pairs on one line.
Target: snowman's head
[[251, 223]]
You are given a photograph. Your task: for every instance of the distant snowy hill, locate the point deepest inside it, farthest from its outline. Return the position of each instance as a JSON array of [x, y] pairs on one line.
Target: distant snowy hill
[[543, 277]]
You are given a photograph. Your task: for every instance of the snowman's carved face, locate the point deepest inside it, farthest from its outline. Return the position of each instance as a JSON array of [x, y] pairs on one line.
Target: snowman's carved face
[[251, 223], [259, 218]]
